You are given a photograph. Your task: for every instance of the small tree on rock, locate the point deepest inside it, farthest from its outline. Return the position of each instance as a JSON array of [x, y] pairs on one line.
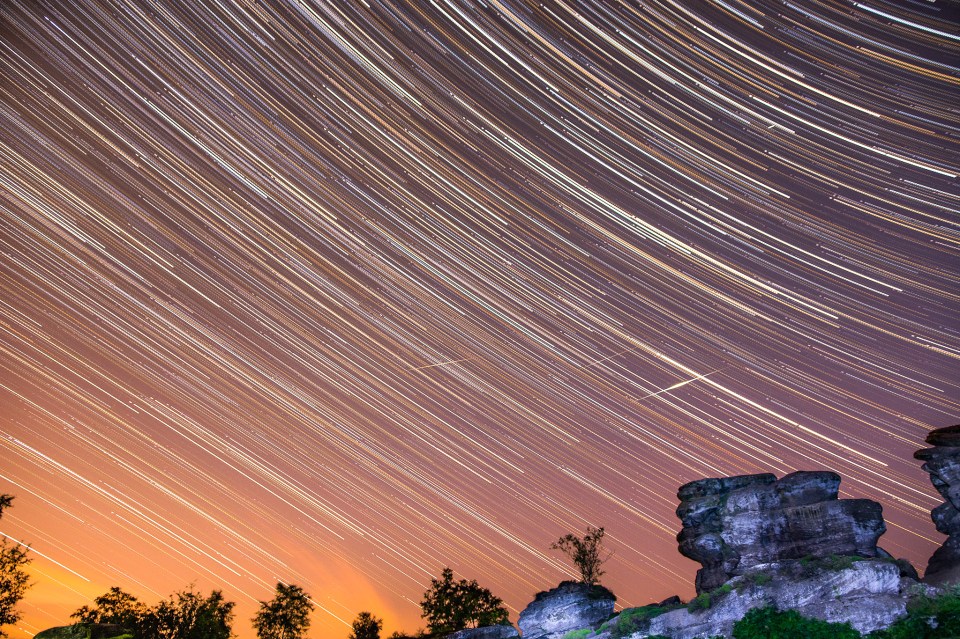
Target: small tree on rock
[[450, 605], [366, 626], [586, 553], [287, 616], [13, 578]]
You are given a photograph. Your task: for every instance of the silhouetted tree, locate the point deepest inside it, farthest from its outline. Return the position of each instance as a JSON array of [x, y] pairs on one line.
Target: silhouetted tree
[[13, 578], [450, 605], [286, 616], [366, 626], [189, 615], [585, 552], [113, 606]]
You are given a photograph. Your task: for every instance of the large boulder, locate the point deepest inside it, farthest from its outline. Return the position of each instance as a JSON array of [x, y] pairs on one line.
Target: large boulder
[[942, 461], [570, 606], [733, 524], [85, 631], [869, 594]]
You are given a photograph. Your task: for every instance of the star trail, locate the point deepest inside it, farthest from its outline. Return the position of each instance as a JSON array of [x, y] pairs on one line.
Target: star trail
[[341, 294]]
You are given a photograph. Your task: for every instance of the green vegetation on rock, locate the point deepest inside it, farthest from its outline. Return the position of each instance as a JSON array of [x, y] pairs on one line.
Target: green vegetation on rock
[[84, 631], [753, 579], [577, 634], [927, 618], [770, 623], [632, 620], [702, 601]]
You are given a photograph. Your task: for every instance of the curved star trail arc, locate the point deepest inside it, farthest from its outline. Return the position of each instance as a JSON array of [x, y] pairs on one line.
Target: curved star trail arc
[[340, 295]]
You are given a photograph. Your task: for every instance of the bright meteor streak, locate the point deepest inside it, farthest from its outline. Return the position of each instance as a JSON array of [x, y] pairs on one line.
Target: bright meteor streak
[[683, 383]]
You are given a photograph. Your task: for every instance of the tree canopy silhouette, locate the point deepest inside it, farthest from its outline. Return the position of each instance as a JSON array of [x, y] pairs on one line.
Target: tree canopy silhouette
[[286, 616], [114, 606], [189, 615], [366, 626], [14, 580], [450, 605]]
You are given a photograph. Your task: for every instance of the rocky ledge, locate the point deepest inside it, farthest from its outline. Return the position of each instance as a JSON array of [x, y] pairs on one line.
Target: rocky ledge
[[942, 461], [733, 525], [502, 631], [869, 594], [85, 631], [569, 606]]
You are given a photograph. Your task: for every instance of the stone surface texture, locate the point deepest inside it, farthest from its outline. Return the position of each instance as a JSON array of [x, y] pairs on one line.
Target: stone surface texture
[[84, 631], [869, 594], [942, 462], [501, 631], [733, 524], [569, 606]]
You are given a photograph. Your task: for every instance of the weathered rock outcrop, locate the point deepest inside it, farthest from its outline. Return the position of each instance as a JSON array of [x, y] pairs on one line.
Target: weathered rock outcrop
[[502, 631], [942, 461], [732, 525], [869, 594], [569, 606], [85, 631]]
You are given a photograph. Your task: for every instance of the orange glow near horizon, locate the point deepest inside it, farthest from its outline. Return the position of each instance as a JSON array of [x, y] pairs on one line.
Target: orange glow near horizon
[[342, 293]]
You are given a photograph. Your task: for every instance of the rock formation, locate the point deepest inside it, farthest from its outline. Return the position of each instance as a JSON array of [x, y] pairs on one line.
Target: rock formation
[[734, 524], [85, 631], [868, 594], [570, 606], [502, 631], [942, 461]]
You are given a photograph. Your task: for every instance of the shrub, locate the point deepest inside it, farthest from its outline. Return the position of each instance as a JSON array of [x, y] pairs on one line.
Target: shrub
[[700, 602], [632, 620], [578, 634], [753, 579], [840, 562], [770, 623]]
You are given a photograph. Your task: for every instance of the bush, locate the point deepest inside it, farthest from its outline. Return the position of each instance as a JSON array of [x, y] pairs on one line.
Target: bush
[[927, 618], [632, 620], [578, 634], [700, 602], [770, 623]]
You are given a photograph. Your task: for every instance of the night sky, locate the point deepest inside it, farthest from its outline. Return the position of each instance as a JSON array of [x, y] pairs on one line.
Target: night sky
[[341, 295]]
